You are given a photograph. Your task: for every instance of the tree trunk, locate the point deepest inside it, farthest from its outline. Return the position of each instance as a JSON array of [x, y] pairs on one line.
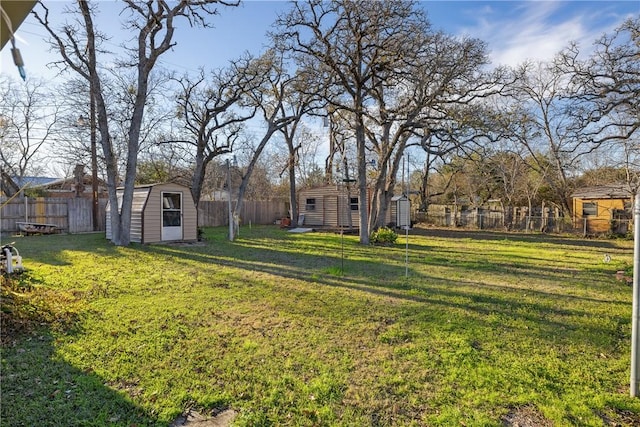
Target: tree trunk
[[198, 178], [245, 179], [362, 178], [293, 198]]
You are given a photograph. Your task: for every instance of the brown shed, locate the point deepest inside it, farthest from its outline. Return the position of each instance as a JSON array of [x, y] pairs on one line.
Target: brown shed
[[160, 213]]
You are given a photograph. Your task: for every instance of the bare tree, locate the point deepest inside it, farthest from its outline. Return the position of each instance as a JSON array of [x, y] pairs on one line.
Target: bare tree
[[389, 74], [606, 90], [29, 116], [213, 109], [299, 98], [305, 160], [346, 42], [152, 25], [536, 115], [269, 99]]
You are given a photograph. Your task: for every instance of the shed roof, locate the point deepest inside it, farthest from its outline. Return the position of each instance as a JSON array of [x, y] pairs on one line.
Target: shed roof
[[611, 191]]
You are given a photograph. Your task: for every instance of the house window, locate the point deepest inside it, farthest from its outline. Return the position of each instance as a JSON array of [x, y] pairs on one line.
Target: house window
[[589, 209], [310, 205], [353, 203]]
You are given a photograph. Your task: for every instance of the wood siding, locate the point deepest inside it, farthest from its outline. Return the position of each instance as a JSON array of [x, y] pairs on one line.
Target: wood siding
[[330, 211], [146, 213], [333, 207], [216, 213], [69, 215], [324, 212], [139, 198], [152, 216], [153, 213]]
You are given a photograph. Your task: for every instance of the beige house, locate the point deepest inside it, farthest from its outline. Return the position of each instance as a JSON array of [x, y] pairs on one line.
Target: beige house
[[160, 213]]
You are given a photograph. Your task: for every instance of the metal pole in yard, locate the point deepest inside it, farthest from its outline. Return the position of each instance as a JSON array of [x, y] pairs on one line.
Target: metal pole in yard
[[342, 240], [407, 221], [635, 363], [406, 252], [230, 210]]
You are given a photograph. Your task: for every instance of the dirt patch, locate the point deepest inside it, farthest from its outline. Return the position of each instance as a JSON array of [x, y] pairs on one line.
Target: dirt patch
[[193, 419], [525, 416], [620, 418]]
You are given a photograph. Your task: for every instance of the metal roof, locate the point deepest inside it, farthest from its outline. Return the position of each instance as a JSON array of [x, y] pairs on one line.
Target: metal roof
[[33, 181], [612, 191]]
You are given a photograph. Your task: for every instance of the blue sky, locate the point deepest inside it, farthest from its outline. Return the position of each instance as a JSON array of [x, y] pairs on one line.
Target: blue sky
[[514, 30]]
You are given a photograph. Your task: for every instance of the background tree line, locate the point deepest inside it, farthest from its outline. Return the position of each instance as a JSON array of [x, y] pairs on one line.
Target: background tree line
[[381, 79]]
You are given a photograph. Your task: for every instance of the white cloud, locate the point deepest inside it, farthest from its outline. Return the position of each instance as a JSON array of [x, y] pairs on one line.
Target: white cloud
[[537, 30]]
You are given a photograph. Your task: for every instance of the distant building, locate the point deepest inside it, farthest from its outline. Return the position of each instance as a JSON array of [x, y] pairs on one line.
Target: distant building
[[602, 209], [79, 185]]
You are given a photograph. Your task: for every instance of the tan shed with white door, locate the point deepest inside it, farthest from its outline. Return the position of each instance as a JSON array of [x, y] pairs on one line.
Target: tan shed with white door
[[160, 213]]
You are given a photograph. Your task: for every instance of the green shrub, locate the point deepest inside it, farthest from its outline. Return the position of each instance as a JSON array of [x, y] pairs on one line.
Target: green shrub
[[383, 236]]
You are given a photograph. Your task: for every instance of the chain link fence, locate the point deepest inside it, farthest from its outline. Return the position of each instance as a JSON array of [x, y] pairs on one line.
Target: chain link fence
[[495, 220]]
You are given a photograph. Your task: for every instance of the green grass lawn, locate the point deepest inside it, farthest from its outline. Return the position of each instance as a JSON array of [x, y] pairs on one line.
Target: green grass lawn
[[485, 325]]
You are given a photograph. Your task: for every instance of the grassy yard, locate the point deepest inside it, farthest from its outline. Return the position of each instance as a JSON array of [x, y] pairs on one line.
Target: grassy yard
[[486, 327]]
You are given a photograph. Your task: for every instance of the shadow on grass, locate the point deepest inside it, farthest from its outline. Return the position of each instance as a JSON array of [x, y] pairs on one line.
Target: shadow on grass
[[546, 315], [40, 389], [288, 256], [514, 236], [50, 249]]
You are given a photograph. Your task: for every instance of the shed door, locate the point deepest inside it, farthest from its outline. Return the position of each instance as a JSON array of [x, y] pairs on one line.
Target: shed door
[[171, 216]]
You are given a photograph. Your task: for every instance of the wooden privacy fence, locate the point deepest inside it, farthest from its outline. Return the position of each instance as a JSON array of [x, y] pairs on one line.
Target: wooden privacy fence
[[216, 213], [73, 215], [69, 215]]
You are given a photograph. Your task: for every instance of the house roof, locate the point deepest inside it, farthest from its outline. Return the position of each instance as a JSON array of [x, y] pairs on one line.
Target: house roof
[[156, 184], [611, 191], [33, 181]]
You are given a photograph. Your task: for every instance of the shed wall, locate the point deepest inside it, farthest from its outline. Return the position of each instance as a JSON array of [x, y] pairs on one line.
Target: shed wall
[[146, 213], [326, 206], [153, 213], [137, 206], [332, 206]]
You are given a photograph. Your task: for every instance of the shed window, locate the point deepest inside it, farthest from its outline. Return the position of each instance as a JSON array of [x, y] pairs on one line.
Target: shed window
[[171, 209], [310, 205], [353, 203], [589, 208]]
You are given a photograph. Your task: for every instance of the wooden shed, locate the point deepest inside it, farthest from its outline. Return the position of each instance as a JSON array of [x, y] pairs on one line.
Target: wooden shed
[[160, 213], [335, 206]]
